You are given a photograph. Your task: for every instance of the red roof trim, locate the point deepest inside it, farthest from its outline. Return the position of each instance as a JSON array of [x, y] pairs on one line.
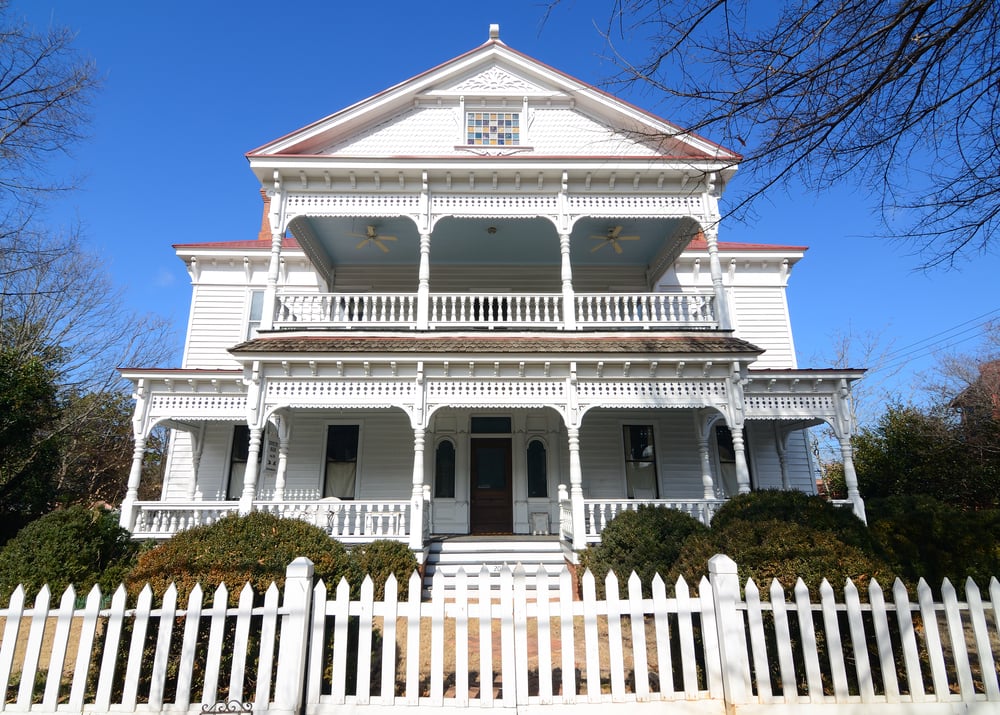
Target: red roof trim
[[244, 245]]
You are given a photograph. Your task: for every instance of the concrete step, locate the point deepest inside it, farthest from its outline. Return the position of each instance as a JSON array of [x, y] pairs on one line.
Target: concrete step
[[447, 555]]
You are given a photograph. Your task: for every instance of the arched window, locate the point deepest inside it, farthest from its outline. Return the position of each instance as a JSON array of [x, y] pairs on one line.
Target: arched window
[[538, 483], [444, 471]]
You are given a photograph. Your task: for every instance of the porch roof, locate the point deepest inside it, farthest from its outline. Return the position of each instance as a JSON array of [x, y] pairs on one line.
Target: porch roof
[[483, 344]]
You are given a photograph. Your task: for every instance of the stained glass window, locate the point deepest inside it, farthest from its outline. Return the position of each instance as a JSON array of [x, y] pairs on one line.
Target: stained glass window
[[493, 128]]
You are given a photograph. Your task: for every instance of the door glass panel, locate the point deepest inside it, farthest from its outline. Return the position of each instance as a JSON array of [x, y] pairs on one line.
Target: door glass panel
[[491, 468]]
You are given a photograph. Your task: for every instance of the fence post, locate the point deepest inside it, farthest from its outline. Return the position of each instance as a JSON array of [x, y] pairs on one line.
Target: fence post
[[289, 685], [729, 621]]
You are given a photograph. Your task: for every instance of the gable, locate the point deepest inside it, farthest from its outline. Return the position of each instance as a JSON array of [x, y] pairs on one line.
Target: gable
[[542, 113]]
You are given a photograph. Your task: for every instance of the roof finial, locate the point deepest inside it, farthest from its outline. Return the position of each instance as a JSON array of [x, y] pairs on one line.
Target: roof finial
[[494, 31]]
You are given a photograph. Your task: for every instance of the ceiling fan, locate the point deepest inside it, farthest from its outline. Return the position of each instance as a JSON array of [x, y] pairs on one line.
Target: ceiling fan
[[612, 238], [372, 237]]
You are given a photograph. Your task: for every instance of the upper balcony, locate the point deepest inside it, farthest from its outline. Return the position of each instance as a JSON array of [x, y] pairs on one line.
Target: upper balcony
[[496, 311]]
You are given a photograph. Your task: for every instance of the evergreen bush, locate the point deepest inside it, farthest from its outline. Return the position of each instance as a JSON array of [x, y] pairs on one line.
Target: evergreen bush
[[235, 550], [378, 559], [647, 541], [77, 546], [783, 550], [925, 537]]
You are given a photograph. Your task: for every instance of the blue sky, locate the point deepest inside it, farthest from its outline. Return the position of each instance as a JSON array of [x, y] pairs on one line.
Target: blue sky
[[189, 88]]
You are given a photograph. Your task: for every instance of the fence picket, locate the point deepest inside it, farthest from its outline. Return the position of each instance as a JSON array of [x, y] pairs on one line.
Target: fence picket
[[316, 659], [508, 669], [412, 615], [437, 639], [956, 634], [364, 658], [637, 618], [112, 636], [984, 651], [590, 638], [461, 638], [140, 623], [807, 636], [544, 635], [29, 668], [216, 637], [268, 629], [566, 637], [520, 634], [161, 653], [859, 643], [880, 624], [711, 641], [834, 646], [60, 641], [908, 640], [783, 642], [685, 632], [932, 639], [616, 663], [758, 643], [485, 639], [389, 647], [661, 621], [188, 644], [241, 642], [341, 621], [12, 625]]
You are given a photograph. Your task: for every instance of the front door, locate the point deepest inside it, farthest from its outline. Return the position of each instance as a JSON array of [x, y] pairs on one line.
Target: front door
[[491, 505]]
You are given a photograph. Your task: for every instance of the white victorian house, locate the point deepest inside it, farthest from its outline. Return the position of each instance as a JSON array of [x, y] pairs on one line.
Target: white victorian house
[[490, 299]]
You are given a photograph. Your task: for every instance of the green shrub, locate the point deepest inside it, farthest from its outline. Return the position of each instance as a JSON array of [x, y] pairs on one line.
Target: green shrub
[[77, 545], [782, 550], [378, 559], [796, 507], [924, 537], [255, 548], [647, 541]]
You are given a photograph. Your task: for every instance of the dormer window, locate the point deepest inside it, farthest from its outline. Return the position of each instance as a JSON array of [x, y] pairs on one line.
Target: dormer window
[[493, 128]]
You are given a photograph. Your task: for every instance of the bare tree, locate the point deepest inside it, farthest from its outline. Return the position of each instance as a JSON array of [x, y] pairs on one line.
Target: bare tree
[[45, 91], [899, 97]]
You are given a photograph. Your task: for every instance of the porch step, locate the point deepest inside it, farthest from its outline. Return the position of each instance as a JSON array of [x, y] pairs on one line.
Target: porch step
[[446, 555]]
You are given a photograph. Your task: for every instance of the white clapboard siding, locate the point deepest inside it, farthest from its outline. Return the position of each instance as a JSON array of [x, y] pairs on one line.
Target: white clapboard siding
[[761, 317], [218, 322], [524, 646]]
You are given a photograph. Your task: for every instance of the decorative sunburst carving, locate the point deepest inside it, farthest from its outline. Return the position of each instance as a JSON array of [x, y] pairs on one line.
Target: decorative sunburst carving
[[495, 79]]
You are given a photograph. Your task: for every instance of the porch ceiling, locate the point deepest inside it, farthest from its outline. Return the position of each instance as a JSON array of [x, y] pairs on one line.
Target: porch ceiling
[[339, 241]]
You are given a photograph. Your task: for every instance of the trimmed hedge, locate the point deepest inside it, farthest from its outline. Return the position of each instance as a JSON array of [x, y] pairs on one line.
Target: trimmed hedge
[[782, 550], [647, 541], [77, 546], [924, 537], [378, 559], [796, 507], [255, 548]]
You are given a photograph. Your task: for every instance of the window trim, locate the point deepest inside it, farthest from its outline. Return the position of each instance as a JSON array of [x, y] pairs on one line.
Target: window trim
[[654, 431]]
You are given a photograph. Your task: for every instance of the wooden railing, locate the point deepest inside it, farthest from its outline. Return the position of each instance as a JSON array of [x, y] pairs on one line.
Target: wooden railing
[[349, 521], [601, 511], [641, 311]]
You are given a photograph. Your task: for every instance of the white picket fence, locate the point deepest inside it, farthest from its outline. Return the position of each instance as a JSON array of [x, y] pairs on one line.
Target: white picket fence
[[716, 650]]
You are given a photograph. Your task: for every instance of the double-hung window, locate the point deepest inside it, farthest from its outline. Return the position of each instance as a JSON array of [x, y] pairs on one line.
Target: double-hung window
[[341, 474], [640, 462]]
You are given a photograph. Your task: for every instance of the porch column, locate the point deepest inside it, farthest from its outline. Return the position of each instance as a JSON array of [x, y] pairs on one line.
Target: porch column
[[417, 496], [568, 296], [576, 490], [707, 483], [273, 219], [780, 443], [127, 518], [711, 234], [253, 468], [742, 472], [197, 445], [851, 478], [424, 283], [284, 435]]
